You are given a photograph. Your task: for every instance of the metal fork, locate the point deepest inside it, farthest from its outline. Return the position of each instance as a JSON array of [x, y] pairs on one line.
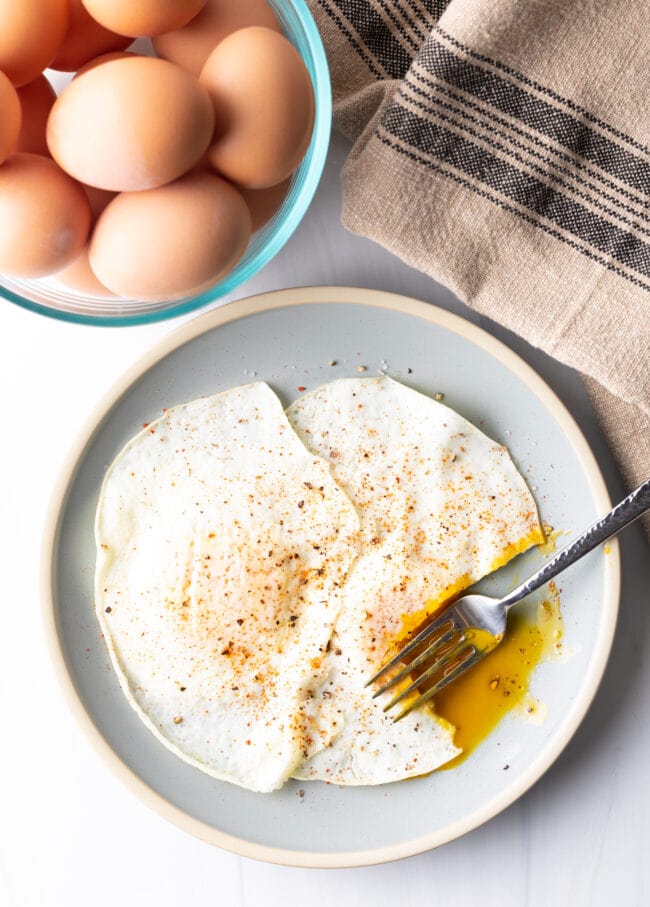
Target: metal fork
[[452, 638]]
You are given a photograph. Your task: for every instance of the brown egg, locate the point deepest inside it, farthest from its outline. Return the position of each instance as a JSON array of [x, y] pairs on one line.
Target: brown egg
[[264, 203], [105, 58], [191, 46], [170, 242], [80, 278], [36, 100], [44, 217], [139, 18], [31, 32], [10, 118], [99, 200], [264, 104], [85, 39], [131, 123]]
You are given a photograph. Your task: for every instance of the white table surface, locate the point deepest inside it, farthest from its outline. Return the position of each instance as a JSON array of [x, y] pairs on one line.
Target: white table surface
[[71, 835]]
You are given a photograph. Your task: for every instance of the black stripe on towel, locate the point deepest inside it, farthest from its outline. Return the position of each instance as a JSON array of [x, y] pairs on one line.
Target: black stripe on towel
[[522, 215], [544, 89], [376, 36], [520, 187], [517, 101], [536, 113]]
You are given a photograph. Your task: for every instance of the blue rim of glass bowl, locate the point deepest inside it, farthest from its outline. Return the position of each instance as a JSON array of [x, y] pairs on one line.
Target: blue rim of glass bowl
[[276, 234]]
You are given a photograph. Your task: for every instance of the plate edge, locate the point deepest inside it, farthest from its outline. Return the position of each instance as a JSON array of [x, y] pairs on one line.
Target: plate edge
[[234, 311]]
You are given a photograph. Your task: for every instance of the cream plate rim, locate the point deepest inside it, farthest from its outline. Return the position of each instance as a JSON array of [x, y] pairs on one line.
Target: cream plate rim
[[242, 308]]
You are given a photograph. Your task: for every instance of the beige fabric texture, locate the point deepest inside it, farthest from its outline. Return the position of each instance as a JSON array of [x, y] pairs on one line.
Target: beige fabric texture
[[501, 147]]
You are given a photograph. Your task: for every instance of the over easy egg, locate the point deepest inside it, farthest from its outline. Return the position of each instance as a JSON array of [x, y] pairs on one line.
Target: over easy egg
[[222, 543], [131, 123], [170, 242], [255, 568]]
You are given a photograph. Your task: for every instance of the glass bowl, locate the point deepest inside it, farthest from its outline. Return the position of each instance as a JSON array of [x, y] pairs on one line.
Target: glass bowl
[[48, 297]]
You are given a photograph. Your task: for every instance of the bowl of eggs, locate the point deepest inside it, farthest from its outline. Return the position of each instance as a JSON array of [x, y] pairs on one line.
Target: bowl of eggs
[[153, 155]]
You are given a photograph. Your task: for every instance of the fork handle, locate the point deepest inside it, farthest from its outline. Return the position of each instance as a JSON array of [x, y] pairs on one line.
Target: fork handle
[[629, 509]]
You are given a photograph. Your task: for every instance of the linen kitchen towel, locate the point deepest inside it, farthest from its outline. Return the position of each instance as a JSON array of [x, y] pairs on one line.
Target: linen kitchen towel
[[502, 148]]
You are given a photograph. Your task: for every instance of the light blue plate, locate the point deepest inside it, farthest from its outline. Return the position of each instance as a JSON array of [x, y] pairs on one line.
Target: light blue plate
[[287, 339]]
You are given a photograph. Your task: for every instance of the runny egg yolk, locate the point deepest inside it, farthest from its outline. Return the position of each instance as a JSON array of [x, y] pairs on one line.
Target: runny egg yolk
[[413, 621], [476, 702]]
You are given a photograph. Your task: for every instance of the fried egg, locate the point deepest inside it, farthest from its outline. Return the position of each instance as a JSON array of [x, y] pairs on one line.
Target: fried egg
[[255, 568], [440, 505], [222, 545]]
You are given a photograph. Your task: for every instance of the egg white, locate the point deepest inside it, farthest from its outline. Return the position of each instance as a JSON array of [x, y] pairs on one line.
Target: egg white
[[440, 506], [222, 542], [254, 569]]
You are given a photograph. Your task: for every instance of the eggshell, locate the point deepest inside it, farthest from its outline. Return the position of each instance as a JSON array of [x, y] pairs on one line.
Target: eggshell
[[36, 100], [84, 40], [80, 278], [10, 118], [44, 217], [31, 32], [264, 104], [131, 123], [191, 46], [105, 58], [99, 200], [170, 242], [264, 203], [138, 18]]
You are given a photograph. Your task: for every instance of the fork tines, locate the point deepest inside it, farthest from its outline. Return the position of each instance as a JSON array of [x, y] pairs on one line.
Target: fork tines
[[430, 630], [448, 651]]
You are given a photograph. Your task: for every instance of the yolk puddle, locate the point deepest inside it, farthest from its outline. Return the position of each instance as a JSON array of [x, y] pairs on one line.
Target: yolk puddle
[[477, 701], [549, 546]]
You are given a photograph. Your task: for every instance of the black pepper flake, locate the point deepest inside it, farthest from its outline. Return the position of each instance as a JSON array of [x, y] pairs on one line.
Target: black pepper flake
[[506, 767], [240, 621], [108, 610], [301, 504], [182, 689]]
